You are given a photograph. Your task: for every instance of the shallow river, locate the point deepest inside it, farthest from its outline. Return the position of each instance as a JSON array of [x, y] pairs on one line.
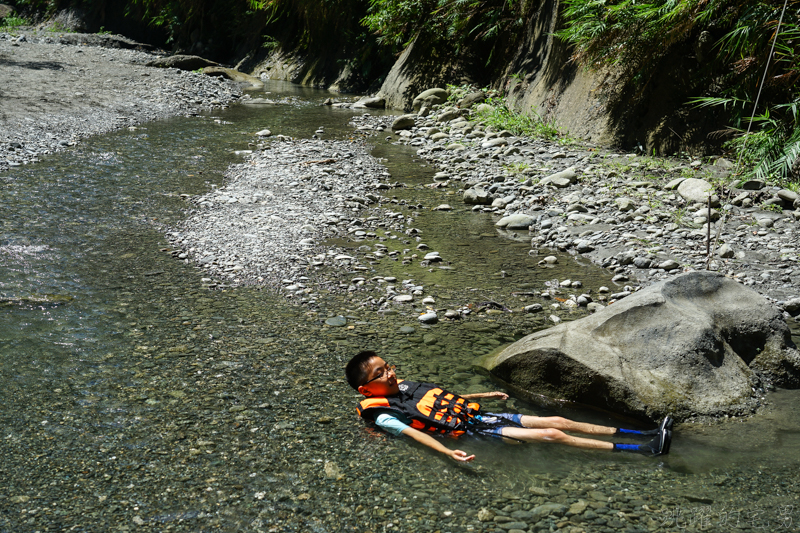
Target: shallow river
[[133, 397]]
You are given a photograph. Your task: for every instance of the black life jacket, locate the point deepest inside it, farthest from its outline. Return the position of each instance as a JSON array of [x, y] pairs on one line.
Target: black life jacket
[[429, 407]]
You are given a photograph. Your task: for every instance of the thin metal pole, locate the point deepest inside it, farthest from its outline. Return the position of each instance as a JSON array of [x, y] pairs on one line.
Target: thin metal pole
[[761, 86], [708, 231]]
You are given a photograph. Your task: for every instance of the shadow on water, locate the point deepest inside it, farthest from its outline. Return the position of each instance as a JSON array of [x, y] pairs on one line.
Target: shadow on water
[[131, 394]]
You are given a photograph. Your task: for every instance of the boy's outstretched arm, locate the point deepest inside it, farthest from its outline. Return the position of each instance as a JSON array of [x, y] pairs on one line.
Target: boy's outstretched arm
[[430, 442], [496, 394]]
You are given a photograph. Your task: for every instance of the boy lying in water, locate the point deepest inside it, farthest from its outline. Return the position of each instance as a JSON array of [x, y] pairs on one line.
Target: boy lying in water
[[420, 410]]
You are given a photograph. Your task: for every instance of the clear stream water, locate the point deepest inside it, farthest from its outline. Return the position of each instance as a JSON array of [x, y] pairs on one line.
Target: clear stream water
[[133, 397]]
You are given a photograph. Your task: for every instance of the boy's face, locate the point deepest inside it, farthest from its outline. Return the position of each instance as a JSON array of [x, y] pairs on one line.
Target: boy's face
[[385, 385]]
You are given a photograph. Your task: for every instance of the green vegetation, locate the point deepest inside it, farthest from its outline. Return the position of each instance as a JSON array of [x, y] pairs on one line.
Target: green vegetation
[[459, 22], [12, 22], [501, 117], [516, 168], [771, 207], [731, 40]]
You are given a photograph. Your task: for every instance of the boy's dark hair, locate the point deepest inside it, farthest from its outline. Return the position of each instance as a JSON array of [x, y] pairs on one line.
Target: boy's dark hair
[[356, 369]]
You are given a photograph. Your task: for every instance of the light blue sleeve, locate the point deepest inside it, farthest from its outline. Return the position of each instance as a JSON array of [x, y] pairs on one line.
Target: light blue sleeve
[[391, 422]]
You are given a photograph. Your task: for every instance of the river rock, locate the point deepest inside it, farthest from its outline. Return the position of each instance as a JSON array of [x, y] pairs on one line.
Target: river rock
[[447, 116], [542, 511], [404, 122], [792, 306], [562, 179], [377, 102], [471, 99], [725, 251], [669, 264], [696, 191], [183, 62], [428, 318], [696, 344], [429, 98], [672, 185], [625, 204], [475, 196], [336, 321], [492, 143], [790, 197], [516, 221], [753, 185]]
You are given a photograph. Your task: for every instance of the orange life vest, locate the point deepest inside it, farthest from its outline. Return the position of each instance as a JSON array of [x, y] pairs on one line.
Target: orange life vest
[[429, 407]]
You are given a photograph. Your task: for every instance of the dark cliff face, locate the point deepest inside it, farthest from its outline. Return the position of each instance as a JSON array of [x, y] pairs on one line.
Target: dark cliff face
[[537, 73]]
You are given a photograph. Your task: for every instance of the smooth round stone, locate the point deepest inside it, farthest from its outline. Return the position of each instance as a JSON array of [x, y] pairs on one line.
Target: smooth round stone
[[336, 321], [408, 329], [428, 318], [403, 298], [428, 300], [550, 260]]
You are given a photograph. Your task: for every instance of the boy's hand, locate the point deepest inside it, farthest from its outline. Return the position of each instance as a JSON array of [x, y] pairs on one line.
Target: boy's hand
[[497, 394], [460, 456]]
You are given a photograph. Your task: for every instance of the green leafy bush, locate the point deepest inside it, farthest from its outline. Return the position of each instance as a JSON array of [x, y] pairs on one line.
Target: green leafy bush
[[13, 21], [501, 117], [397, 22]]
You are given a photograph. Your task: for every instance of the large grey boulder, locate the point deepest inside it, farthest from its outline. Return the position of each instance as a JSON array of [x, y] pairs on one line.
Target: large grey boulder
[[696, 344], [429, 98]]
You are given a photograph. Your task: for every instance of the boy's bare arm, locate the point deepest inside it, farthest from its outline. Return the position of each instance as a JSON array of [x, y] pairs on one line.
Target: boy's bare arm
[[430, 442], [496, 394]]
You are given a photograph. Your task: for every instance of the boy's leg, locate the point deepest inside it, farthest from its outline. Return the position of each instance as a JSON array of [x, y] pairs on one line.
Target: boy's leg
[[564, 424], [550, 434], [658, 446]]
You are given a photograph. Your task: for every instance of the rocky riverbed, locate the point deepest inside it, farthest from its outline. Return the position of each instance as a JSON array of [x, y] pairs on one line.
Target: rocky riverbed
[[642, 218], [150, 401], [59, 88]]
